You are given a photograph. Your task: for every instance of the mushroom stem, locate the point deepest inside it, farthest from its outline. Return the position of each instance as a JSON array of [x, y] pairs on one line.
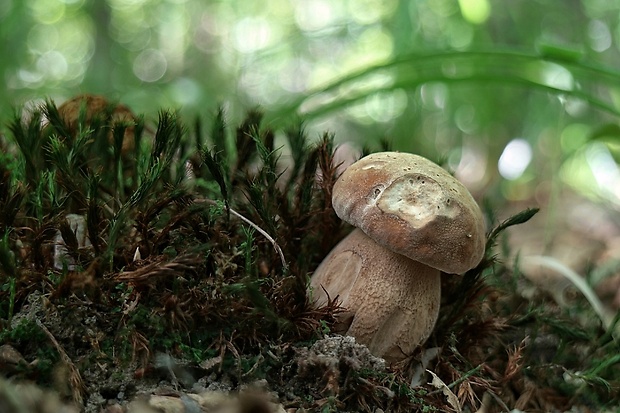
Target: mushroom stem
[[392, 302]]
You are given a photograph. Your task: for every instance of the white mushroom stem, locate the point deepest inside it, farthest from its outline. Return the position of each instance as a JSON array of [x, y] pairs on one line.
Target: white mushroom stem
[[392, 302]]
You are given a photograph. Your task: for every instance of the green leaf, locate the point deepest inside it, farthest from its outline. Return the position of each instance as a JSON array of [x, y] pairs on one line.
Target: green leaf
[[411, 70], [610, 130], [559, 53]]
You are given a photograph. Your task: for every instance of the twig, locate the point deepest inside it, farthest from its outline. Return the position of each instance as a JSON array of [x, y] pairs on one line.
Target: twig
[[75, 379], [253, 225]]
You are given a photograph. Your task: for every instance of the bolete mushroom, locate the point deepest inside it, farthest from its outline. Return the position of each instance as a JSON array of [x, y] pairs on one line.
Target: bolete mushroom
[[413, 221], [98, 106]]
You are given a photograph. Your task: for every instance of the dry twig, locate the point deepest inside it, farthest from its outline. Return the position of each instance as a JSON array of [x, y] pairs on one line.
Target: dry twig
[[75, 379], [256, 227], [179, 264]]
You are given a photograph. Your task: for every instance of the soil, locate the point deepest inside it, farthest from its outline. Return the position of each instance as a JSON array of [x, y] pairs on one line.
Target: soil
[[305, 373]]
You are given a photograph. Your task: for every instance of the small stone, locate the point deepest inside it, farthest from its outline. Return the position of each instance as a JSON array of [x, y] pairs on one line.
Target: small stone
[[140, 406], [210, 399], [167, 404], [114, 408], [10, 359]]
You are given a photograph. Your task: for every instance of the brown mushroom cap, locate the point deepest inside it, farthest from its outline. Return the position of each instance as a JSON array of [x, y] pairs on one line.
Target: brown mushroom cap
[[413, 207], [96, 105]]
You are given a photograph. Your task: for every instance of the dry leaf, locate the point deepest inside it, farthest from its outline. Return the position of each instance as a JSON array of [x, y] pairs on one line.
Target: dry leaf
[[450, 396]]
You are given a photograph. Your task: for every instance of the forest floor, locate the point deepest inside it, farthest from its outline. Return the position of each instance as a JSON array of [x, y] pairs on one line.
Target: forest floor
[[172, 273]]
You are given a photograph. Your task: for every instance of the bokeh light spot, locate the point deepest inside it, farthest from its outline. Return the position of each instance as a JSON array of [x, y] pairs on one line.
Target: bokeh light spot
[[53, 65], [604, 168], [313, 15], [252, 34], [384, 107], [475, 11], [600, 36], [515, 158], [366, 12], [150, 65], [47, 12], [185, 91], [28, 78], [471, 166], [461, 35], [42, 38], [465, 118], [434, 95], [558, 76], [550, 74]]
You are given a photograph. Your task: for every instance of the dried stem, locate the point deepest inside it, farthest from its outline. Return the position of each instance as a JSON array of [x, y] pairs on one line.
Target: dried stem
[[253, 225], [75, 379], [179, 264]]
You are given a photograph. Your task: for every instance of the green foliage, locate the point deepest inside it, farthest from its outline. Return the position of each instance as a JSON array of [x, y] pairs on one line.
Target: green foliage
[[541, 343], [215, 163], [155, 211], [8, 307], [7, 258], [11, 196], [475, 66]]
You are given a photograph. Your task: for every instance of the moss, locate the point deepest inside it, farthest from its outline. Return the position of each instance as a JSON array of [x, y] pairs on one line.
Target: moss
[[201, 248]]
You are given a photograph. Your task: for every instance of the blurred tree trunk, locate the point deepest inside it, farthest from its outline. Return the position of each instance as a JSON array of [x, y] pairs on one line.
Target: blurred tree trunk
[[15, 23], [101, 64]]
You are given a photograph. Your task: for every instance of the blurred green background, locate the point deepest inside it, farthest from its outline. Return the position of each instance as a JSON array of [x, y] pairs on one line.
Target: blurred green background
[[518, 97]]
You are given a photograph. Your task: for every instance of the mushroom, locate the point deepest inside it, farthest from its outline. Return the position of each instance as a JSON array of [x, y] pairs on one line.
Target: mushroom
[[98, 106], [413, 221]]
